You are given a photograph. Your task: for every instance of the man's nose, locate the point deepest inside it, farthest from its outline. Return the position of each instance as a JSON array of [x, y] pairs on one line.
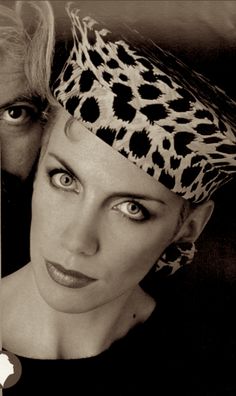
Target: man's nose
[[81, 234]]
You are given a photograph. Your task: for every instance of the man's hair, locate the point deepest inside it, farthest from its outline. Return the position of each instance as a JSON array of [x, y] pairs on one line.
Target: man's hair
[[27, 37]]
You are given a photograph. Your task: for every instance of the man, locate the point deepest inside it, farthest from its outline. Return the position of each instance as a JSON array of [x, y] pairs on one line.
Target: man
[[25, 64]]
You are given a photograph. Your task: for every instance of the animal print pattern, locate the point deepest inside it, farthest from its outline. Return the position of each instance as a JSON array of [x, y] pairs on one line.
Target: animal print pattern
[[149, 116], [176, 256], [166, 119]]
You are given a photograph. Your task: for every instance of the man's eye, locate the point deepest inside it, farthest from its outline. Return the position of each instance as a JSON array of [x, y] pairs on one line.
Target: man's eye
[[63, 180], [18, 115], [133, 210]]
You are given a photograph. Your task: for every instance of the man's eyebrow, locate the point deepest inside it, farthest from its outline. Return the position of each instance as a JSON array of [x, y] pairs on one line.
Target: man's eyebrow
[[30, 98], [116, 194]]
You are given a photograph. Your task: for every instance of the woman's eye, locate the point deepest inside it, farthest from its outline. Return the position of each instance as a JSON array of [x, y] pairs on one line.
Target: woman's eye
[[63, 180], [133, 210], [18, 115]]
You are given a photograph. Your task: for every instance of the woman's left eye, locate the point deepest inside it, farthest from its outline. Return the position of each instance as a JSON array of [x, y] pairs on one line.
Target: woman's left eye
[[18, 115], [133, 210], [63, 180]]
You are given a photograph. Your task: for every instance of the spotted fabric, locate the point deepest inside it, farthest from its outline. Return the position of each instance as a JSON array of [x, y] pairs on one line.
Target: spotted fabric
[[155, 118], [175, 256]]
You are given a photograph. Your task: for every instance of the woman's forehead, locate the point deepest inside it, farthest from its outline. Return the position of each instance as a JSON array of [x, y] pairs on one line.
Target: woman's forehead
[[73, 145]]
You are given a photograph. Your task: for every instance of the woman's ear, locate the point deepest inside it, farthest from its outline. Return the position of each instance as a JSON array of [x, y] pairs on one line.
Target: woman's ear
[[195, 222]]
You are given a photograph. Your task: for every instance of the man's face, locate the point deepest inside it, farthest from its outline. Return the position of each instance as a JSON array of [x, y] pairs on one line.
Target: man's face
[[20, 128], [20, 141]]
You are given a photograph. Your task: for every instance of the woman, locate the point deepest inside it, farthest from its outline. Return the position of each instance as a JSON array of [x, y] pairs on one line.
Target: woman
[[105, 217]]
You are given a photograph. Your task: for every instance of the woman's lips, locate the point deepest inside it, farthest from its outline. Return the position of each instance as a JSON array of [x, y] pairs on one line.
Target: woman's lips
[[67, 278]]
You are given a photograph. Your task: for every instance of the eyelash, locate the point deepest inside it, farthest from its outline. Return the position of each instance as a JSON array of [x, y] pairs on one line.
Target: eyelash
[[60, 171], [30, 113], [26, 112], [146, 214]]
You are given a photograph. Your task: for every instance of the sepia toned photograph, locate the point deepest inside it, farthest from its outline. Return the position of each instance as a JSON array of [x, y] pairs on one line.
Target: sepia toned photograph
[[118, 191]]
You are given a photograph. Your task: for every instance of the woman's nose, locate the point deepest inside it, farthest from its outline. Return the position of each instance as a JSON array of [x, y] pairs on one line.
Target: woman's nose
[[81, 235]]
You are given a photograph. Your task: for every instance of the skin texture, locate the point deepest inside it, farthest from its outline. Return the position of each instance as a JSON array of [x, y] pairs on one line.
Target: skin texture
[[20, 129], [87, 226]]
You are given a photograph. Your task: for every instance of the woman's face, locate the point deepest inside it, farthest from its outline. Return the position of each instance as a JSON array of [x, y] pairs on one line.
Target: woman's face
[[99, 223]]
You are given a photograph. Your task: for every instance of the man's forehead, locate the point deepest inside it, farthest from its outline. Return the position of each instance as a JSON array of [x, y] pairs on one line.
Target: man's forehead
[[13, 82], [10, 65]]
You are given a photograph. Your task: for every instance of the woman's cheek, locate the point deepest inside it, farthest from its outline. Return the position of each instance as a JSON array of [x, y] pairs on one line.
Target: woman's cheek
[[43, 208], [139, 248]]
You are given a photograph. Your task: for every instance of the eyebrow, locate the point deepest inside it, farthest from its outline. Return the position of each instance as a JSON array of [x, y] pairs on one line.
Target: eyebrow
[[30, 98], [64, 163], [117, 194]]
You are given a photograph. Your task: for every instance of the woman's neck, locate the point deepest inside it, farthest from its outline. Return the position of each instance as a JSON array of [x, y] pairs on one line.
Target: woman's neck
[[69, 336], [94, 331]]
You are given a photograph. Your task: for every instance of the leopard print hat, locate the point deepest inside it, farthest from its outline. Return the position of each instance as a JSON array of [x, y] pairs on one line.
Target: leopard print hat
[[156, 112]]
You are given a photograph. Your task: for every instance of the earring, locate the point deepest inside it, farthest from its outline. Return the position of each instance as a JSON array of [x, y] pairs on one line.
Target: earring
[[175, 256]]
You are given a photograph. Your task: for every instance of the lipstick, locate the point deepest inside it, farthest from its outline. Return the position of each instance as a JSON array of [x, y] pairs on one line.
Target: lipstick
[[68, 278]]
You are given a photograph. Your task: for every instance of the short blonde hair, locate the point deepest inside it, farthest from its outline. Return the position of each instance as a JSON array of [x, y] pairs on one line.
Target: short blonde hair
[[27, 37]]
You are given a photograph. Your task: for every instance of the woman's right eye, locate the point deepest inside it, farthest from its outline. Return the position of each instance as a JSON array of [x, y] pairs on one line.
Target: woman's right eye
[[63, 180]]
